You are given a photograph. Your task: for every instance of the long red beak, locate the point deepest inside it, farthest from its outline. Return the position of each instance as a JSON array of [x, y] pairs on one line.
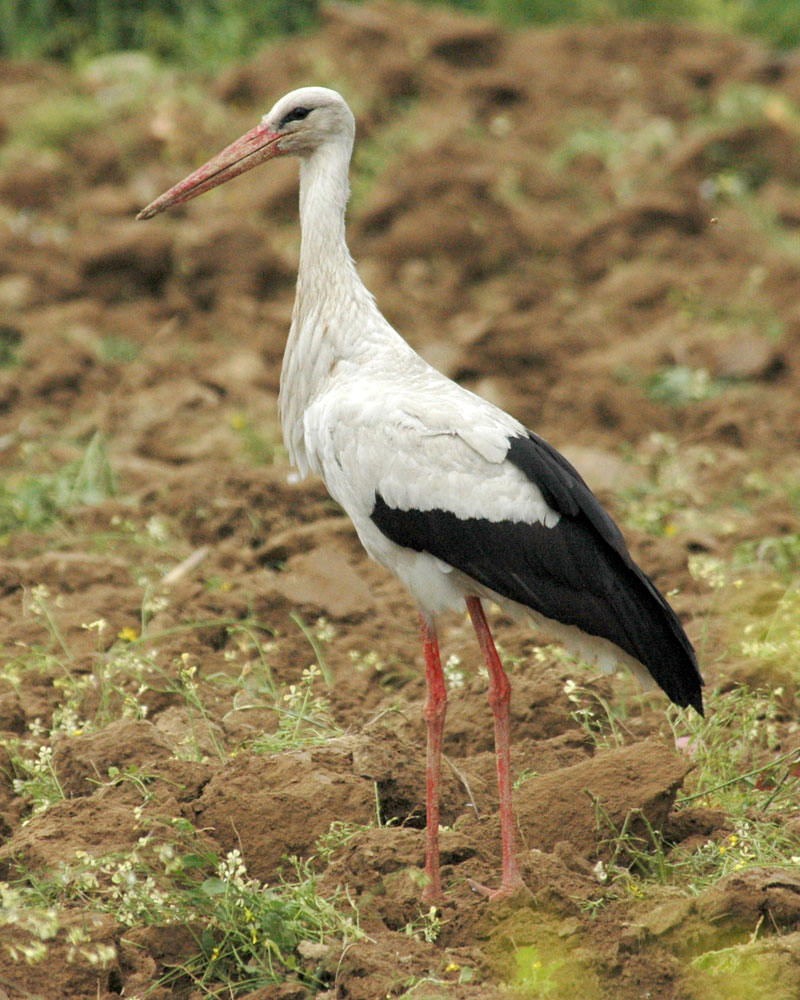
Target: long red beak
[[256, 146]]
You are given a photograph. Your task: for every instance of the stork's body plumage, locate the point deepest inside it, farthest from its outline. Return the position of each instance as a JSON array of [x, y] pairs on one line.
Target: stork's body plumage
[[454, 496]]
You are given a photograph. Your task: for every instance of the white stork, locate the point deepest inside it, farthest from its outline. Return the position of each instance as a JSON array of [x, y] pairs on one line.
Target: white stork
[[454, 496]]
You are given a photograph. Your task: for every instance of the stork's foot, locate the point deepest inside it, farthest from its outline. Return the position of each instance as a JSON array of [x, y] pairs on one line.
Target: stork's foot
[[507, 888]]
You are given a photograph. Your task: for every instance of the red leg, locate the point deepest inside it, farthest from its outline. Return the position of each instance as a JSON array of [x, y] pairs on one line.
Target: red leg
[[499, 698], [434, 712]]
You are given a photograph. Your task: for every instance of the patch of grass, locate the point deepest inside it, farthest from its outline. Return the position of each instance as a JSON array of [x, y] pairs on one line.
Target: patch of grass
[[117, 350], [32, 500], [426, 927], [625, 155], [745, 763], [600, 719], [761, 613], [36, 925], [37, 780], [247, 934], [56, 121], [304, 717], [780, 553], [748, 311], [670, 489], [254, 935], [679, 385], [727, 777], [775, 21], [202, 33], [339, 834], [125, 675]]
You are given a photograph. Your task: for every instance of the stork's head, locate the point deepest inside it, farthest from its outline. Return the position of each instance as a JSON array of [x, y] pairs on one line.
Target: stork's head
[[305, 119], [300, 123]]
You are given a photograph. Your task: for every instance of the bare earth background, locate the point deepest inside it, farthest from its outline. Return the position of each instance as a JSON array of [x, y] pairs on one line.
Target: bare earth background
[[595, 228]]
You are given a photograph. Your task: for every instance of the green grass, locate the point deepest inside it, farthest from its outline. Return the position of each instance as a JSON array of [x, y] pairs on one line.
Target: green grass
[[776, 21], [247, 935], [678, 385], [57, 120], [135, 666], [32, 498], [202, 33]]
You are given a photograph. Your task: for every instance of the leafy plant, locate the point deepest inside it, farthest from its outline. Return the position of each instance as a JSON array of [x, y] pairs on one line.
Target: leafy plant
[[678, 385], [33, 500], [247, 934]]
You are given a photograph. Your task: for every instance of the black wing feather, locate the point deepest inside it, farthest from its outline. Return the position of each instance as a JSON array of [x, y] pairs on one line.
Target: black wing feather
[[579, 572]]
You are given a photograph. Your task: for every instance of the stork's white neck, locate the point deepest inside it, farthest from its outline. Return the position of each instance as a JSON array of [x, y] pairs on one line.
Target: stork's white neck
[[334, 316], [324, 193]]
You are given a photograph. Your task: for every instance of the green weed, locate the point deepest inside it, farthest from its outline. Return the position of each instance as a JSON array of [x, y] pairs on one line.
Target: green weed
[[254, 935], [37, 780], [736, 752], [626, 156], [426, 927], [55, 122], [602, 721], [666, 493], [678, 385], [33, 500], [780, 553], [304, 718], [247, 933]]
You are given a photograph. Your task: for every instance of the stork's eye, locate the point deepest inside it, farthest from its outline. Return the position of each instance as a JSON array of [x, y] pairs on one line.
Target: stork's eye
[[295, 115]]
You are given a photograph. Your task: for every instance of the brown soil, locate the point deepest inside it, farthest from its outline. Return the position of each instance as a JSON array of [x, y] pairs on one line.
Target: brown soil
[[554, 287]]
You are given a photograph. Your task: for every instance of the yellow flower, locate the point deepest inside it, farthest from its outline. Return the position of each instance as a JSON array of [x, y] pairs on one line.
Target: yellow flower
[[128, 634], [452, 967]]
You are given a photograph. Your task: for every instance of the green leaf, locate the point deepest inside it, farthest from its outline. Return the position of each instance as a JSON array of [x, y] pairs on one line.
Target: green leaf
[[214, 887]]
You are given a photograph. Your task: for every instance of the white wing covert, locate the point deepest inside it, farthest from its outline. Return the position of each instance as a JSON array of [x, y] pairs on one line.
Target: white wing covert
[[448, 455]]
